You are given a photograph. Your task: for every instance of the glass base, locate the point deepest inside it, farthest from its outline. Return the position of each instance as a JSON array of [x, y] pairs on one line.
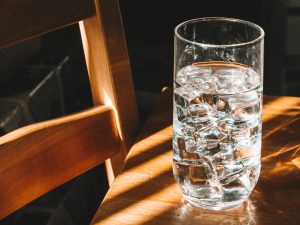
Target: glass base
[[213, 205]]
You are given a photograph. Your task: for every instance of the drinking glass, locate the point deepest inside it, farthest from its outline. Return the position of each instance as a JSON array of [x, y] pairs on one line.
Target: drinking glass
[[218, 83]]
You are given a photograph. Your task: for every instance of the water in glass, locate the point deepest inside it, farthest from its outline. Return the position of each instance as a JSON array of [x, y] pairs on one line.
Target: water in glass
[[217, 133]]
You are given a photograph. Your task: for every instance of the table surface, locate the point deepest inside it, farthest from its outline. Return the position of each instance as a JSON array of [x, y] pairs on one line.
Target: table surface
[[146, 193]]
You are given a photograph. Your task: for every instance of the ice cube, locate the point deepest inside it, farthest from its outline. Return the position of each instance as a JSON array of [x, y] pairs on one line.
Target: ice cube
[[211, 137], [178, 127], [188, 131], [181, 144], [247, 113], [244, 100], [233, 191], [198, 110], [224, 127], [217, 191], [176, 147], [254, 172], [183, 150], [233, 176], [220, 169], [246, 182], [180, 171], [245, 131], [230, 81], [200, 126], [227, 170], [232, 186], [204, 83], [198, 174], [209, 150], [225, 155], [190, 145], [241, 125], [184, 96], [210, 99], [241, 107], [244, 149], [190, 72], [226, 146], [187, 139], [211, 141], [222, 104], [211, 174], [225, 70], [252, 79], [180, 113], [199, 113]]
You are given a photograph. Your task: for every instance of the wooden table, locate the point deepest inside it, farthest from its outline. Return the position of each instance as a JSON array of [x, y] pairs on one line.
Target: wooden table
[[145, 192]]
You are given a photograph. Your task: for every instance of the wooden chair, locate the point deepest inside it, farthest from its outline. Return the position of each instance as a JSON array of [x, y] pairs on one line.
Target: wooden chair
[[39, 157]]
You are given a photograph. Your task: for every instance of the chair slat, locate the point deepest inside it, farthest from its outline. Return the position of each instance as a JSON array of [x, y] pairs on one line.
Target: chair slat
[[109, 71], [37, 158], [24, 19]]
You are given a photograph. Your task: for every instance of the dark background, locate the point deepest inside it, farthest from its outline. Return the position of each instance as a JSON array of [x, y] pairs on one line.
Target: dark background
[[149, 29]]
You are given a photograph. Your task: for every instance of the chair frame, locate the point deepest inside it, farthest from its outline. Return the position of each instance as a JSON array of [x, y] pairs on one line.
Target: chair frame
[[37, 158]]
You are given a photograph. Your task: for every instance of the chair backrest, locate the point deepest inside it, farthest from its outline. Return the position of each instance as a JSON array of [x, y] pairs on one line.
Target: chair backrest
[[39, 157]]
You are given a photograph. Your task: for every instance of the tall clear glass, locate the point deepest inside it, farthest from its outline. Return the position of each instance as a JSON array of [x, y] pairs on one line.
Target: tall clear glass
[[218, 83]]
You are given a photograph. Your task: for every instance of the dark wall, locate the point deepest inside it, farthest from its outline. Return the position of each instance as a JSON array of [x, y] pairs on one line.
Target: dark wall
[[149, 27], [155, 20]]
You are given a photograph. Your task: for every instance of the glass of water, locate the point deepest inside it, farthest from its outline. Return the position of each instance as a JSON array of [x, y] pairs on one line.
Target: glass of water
[[218, 82]]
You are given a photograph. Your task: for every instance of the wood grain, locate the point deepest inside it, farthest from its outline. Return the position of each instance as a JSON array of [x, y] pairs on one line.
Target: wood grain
[[145, 192], [37, 158], [24, 19], [109, 72]]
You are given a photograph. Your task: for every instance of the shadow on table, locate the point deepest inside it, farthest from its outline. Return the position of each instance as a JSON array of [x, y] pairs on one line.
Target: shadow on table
[[275, 199]]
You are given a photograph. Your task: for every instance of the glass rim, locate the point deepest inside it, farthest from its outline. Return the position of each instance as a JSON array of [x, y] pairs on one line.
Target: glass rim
[[201, 19]]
